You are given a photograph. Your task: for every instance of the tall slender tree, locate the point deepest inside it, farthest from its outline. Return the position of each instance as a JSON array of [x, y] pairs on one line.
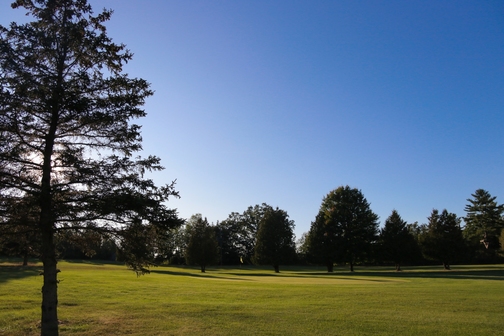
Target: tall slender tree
[[68, 137]]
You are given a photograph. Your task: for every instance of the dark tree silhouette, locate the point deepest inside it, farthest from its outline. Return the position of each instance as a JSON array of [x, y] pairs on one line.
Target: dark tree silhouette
[[202, 247], [396, 243], [67, 136], [442, 238], [483, 224], [18, 233], [344, 229], [237, 234], [275, 239]]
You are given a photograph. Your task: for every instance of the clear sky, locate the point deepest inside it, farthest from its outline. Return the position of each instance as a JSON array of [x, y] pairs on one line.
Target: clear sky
[[282, 101]]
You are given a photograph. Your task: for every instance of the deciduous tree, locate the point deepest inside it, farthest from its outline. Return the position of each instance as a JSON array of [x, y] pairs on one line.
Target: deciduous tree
[[275, 239], [68, 137], [237, 234], [202, 247], [230, 235], [344, 229]]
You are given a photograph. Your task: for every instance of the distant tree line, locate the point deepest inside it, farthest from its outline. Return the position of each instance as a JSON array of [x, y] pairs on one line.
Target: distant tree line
[[344, 231]]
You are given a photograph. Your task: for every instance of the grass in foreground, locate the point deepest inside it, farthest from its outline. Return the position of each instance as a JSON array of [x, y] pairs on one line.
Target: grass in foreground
[[107, 299]]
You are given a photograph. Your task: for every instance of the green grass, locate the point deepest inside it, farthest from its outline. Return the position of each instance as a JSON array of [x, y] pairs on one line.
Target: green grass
[[107, 299]]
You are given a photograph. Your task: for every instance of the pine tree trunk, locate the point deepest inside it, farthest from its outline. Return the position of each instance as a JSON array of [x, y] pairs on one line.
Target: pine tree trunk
[[277, 268], [49, 323], [351, 267]]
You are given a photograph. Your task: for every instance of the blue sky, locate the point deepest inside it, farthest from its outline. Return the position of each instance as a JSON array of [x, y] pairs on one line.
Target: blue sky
[[283, 101]]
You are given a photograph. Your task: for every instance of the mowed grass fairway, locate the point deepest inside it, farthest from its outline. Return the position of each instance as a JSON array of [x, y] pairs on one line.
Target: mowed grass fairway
[[107, 299]]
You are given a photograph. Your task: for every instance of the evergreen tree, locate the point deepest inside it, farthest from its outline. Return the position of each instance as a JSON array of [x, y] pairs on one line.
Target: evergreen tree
[[396, 243], [483, 224], [275, 239], [202, 247], [344, 229], [442, 238], [67, 136]]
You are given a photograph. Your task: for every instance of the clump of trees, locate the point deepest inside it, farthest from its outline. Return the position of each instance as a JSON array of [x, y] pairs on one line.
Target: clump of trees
[[261, 235], [345, 231]]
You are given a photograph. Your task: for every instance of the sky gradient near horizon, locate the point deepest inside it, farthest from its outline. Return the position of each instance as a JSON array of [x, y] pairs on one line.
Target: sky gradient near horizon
[[283, 101]]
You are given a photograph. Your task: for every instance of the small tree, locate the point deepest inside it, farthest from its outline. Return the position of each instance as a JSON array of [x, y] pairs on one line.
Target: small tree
[[396, 243], [442, 239], [202, 248], [275, 239], [344, 229]]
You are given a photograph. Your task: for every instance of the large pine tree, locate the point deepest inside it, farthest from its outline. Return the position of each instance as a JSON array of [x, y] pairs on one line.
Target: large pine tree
[[483, 223], [68, 137]]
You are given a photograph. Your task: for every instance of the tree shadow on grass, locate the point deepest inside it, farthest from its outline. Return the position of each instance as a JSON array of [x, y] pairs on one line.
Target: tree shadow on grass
[[9, 272], [92, 262], [197, 275], [339, 276], [240, 276], [375, 275], [442, 274]]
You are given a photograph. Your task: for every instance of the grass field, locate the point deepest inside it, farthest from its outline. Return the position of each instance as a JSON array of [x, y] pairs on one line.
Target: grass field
[[107, 299]]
